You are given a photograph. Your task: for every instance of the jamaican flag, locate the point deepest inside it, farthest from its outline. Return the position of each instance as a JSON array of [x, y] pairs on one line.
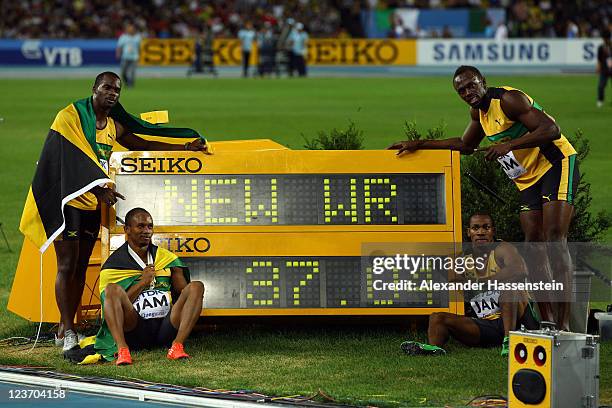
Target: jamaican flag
[[69, 166], [122, 269]]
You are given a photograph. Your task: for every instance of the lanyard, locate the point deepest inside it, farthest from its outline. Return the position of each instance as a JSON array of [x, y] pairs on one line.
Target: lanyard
[[141, 263]]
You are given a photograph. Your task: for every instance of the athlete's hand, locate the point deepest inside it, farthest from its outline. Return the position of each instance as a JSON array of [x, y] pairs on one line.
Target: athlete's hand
[[495, 151], [148, 274], [198, 145], [107, 195], [406, 146]]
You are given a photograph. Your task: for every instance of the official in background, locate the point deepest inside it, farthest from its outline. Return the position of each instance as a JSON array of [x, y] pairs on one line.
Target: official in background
[[284, 55], [299, 48], [266, 43], [128, 53], [246, 37], [203, 57], [604, 66]]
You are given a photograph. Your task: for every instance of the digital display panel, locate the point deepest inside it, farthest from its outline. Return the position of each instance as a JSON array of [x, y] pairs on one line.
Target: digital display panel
[[282, 232], [286, 199], [308, 282]]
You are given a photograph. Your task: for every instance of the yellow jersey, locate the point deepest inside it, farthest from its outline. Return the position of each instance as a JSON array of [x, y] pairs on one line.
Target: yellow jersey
[[523, 166], [485, 304], [105, 140]]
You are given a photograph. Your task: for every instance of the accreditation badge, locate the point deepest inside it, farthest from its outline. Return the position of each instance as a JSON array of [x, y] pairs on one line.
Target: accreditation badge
[[511, 166]]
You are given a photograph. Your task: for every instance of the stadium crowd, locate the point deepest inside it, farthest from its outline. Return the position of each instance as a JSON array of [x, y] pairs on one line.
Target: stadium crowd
[[321, 18], [160, 18]]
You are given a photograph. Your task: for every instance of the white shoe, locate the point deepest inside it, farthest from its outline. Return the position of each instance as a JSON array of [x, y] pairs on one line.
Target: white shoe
[[59, 341], [70, 340], [599, 104]]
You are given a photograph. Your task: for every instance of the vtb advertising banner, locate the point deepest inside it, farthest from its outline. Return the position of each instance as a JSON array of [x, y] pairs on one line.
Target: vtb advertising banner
[[57, 53], [540, 52], [320, 52]]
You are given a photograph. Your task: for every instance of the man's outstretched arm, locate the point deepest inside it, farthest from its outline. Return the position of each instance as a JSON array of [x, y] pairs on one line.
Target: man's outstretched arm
[[466, 144], [132, 142]]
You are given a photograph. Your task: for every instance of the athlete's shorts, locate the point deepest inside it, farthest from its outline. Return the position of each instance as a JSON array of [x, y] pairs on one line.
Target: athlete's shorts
[[150, 333], [81, 224], [559, 183], [492, 331]]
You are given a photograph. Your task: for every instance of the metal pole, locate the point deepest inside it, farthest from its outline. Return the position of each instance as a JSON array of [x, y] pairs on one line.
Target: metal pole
[[5, 239]]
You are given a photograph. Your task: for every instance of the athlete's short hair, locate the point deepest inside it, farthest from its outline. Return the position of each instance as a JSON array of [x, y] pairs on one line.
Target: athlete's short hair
[[482, 214], [101, 76], [132, 213], [468, 68]]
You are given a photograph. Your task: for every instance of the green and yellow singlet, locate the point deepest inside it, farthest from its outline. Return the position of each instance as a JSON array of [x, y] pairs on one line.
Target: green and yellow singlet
[[105, 140], [523, 166]]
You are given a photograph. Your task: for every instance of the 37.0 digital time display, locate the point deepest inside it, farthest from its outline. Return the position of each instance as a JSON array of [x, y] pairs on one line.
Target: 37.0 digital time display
[[308, 282]]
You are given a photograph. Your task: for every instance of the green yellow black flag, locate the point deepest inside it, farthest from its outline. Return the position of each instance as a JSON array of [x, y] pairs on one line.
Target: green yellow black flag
[[69, 166]]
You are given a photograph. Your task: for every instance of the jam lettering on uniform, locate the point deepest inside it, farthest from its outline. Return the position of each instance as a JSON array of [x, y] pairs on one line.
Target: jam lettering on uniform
[[152, 304]]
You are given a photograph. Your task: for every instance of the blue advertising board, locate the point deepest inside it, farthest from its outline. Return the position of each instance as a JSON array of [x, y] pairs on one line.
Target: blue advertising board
[[57, 53]]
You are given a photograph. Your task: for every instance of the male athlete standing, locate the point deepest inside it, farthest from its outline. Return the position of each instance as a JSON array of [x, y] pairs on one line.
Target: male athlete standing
[[529, 145], [71, 182]]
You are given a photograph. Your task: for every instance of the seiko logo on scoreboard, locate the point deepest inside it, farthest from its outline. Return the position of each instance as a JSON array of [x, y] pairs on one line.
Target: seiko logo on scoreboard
[[161, 165], [183, 245]]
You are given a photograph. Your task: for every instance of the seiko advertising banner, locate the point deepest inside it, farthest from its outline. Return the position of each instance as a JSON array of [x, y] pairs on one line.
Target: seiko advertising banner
[[320, 52], [57, 53], [541, 52]]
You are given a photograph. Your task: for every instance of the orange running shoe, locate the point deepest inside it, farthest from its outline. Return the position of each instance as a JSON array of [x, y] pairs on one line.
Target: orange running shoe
[[176, 352], [123, 356]]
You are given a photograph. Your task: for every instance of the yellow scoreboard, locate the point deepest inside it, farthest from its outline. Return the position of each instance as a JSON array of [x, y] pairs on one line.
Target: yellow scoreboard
[[286, 232]]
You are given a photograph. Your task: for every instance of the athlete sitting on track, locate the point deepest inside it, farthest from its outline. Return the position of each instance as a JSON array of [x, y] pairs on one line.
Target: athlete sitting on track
[[490, 314]]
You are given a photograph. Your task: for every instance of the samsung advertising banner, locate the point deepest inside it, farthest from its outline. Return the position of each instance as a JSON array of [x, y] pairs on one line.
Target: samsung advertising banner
[[516, 52]]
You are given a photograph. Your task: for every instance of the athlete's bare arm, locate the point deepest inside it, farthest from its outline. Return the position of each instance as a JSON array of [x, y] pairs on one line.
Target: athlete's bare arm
[[133, 142], [542, 127], [511, 264], [466, 144]]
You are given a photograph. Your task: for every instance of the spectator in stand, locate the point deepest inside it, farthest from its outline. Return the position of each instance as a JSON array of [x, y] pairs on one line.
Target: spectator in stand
[[572, 30], [501, 33], [167, 18], [246, 37], [446, 32], [604, 66]]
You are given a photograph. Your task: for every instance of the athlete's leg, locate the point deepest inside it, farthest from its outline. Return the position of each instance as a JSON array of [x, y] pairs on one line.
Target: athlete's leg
[[442, 325], [557, 218], [536, 257], [119, 313], [187, 310], [67, 254], [78, 283], [509, 305]]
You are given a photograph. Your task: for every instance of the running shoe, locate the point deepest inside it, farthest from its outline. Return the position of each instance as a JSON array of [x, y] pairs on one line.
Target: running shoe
[[59, 341], [124, 357], [414, 348], [505, 347], [176, 352], [70, 340]]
